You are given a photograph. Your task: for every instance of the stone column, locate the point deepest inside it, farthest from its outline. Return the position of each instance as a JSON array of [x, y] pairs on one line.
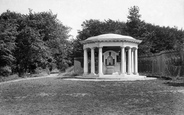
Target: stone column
[[125, 62], [122, 60], [136, 62], [100, 61], [129, 61], [85, 62], [92, 61], [132, 61]]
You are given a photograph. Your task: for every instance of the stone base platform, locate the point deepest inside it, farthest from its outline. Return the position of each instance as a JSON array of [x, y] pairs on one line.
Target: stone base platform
[[111, 78]]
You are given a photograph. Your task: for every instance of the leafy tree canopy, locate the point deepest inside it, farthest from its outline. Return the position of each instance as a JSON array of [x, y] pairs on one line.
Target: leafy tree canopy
[[31, 41], [154, 38], [96, 27]]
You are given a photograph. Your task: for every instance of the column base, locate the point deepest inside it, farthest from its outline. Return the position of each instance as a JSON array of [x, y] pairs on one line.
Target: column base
[[92, 74], [136, 74], [100, 74], [129, 73], [84, 74], [122, 74]]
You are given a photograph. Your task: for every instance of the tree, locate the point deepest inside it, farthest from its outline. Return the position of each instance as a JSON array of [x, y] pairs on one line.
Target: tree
[[154, 38], [35, 40], [41, 39], [31, 51], [8, 32], [94, 28], [162, 38], [135, 27]]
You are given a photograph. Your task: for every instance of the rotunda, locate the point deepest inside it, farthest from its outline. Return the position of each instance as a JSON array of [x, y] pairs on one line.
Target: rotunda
[[117, 56]]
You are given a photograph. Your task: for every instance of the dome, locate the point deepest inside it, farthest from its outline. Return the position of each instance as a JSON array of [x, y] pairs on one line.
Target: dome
[[110, 38]]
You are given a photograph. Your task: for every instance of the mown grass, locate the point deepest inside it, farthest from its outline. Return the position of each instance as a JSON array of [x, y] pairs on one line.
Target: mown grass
[[56, 96], [28, 75], [9, 78]]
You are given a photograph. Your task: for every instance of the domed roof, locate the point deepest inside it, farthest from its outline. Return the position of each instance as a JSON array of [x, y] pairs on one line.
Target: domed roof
[[110, 38]]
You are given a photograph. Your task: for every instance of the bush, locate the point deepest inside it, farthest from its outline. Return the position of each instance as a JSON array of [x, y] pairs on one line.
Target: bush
[[62, 66], [5, 71]]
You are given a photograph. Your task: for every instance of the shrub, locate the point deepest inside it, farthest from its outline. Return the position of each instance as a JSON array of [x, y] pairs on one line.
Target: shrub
[[5, 71]]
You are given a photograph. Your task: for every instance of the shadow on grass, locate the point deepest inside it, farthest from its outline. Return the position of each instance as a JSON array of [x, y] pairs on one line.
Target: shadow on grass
[[74, 77], [175, 83], [71, 75], [66, 77], [161, 77]]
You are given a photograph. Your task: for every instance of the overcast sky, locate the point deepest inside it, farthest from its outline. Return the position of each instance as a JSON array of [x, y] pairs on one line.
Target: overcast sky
[[73, 12]]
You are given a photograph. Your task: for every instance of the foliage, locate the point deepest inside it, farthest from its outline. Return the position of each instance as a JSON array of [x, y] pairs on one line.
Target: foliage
[[8, 34], [30, 51], [135, 27], [36, 40], [96, 27], [154, 38], [40, 40], [5, 70], [164, 38]]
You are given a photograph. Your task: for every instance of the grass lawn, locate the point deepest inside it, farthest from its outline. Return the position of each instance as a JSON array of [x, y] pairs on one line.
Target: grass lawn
[[55, 96]]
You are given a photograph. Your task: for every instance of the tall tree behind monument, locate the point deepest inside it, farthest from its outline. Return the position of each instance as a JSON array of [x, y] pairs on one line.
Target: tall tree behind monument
[[135, 27], [95, 27], [154, 38]]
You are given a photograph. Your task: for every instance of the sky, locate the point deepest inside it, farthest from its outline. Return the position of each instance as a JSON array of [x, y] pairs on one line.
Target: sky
[[73, 13]]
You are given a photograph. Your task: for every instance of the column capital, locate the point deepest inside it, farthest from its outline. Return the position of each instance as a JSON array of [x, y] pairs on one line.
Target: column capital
[[122, 46], [84, 48], [134, 48], [129, 47], [92, 48]]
